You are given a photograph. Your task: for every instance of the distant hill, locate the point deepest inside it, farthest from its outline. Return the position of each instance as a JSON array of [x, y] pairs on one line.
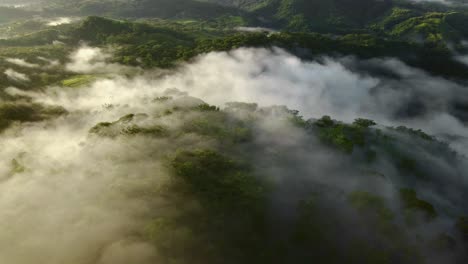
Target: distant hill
[[143, 8], [324, 15], [239, 3], [8, 14], [421, 22]]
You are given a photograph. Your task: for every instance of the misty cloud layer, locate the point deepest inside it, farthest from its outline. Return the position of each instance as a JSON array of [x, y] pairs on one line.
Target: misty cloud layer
[[445, 2], [61, 21], [343, 88], [16, 76], [21, 62], [71, 197]]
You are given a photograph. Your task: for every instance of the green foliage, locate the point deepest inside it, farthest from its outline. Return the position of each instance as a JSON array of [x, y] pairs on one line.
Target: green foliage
[[322, 15], [458, 21], [407, 164], [414, 206], [428, 28], [239, 106], [314, 229], [175, 241], [383, 18], [364, 123], [26, 112], [396, 16], [159, 43], [43, 37], [126, 126], [223, 206], [372, 205], [235, 200], [317, 228], [43, 74], [402, 157], [340, 135], [17, 167], [216, 124], [143, 8], [207, 108], [21, 27], [394, 143], [162, 99], [462, 226], [78, 81], [325, 122], [297, 23], [220, 182], [443, 242], [381, 219], [97, 29], [137, 130], [417, 133]]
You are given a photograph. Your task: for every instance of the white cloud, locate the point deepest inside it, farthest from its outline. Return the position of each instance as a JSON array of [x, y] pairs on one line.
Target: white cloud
[[16, 76], [275, 78], [255, 29], [92, 60], [446, 2], [61, 21], [463, 59], [21, 62]]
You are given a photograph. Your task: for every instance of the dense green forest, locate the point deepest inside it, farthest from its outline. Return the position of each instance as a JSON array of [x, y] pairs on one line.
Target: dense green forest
[[166, 131], [165, 43]]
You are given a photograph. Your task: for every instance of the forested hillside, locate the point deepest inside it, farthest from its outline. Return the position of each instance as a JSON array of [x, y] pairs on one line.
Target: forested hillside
[[233, 131]]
